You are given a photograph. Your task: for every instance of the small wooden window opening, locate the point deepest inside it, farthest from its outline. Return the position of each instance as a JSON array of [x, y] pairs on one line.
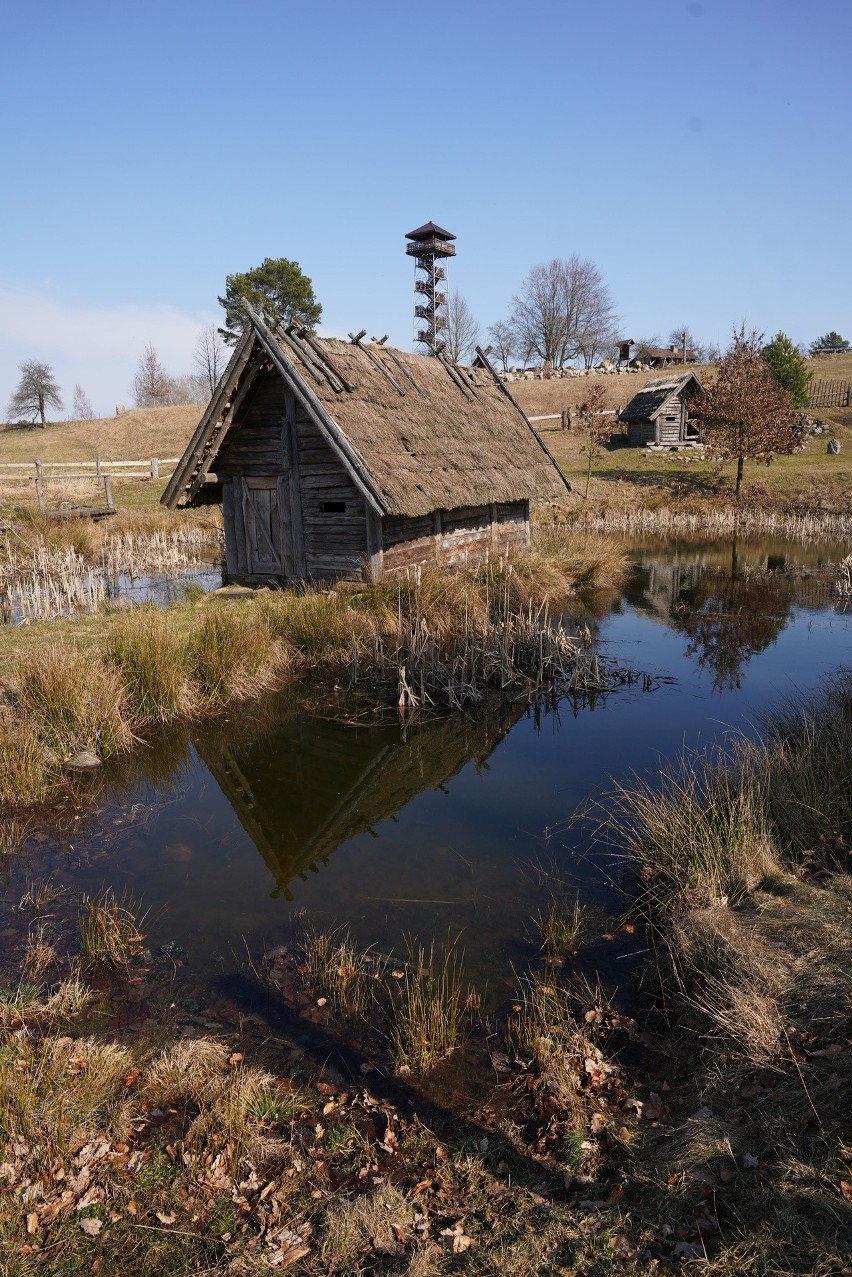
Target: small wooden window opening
[[333, 507]]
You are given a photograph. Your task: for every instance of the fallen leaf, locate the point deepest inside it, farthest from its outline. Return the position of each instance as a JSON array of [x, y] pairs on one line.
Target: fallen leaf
[[629, 927], [132, 1078], [236, 1057], [32, 1222], [454, 1239], [750, 1161], [164, 1218], [846, 1189], [91, 1226], [321, 1002], [727, 1173]]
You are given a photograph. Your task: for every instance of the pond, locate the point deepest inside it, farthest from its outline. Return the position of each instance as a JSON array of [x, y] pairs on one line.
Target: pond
[[232, 832]]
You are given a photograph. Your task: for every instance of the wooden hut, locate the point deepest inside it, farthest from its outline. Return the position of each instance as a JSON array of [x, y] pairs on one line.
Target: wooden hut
[[332, 457], [659, 413], [665, 356]]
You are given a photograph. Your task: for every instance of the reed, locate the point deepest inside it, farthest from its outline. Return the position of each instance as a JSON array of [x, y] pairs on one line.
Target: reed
[[109, 930], [233, 655], [334, 965], [718, 522], [562, 926], [428, 1012]]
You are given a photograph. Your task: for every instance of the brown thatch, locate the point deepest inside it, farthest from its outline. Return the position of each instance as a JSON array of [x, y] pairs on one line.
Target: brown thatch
[[417, 433], [655, 395]]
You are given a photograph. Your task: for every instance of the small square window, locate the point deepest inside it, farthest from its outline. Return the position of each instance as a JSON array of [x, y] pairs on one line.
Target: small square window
[[333, 507]]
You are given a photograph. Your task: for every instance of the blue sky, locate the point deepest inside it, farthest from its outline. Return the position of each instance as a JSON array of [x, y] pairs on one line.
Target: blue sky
[[698, 153]]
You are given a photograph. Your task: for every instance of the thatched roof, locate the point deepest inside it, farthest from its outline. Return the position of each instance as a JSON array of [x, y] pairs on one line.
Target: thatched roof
[[415, 432], [655, 395]]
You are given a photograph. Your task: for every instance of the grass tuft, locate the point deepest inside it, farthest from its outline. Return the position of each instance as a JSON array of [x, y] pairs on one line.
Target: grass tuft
[[428, 1015], [109, 930]]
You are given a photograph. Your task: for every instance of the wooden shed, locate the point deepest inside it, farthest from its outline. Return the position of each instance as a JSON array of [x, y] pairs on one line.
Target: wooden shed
[[332, 457], [659, 413]]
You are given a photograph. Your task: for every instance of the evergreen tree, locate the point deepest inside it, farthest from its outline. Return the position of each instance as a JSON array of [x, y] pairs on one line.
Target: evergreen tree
[[788, 368], [277, 289], [828, 339]]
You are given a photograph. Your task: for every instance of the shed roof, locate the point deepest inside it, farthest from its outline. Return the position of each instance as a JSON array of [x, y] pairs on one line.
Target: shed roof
[[430, 230], [669, 352], [654, 396], [415, 432]]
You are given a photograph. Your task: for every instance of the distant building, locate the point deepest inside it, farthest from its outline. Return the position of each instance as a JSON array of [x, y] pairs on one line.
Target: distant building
[[664, 356], [659, 413]]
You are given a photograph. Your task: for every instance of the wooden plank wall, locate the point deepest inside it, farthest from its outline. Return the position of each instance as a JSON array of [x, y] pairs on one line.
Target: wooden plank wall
[[335, 539], [670, 431], [454, 537]]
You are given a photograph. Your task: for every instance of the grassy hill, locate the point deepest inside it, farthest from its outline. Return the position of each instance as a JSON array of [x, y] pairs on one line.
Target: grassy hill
[[135, 435]]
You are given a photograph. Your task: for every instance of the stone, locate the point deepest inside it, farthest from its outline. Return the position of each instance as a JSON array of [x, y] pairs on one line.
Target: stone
[[85, 761], [833, 447]]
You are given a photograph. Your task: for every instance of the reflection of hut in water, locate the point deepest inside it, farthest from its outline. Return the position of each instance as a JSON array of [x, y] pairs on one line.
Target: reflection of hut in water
[[306, 785]]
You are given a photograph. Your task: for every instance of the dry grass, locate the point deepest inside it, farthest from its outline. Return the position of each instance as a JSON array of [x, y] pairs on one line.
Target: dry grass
[[76, 699], [109, 930], [100, 682], [364, 1226], [137, 434]]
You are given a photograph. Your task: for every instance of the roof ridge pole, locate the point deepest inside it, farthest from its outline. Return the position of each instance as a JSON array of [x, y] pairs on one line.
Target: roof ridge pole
[[356, 341], [456, 376]]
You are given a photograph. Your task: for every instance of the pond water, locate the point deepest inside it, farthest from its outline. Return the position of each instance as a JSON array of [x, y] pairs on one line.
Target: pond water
[[228, 833]]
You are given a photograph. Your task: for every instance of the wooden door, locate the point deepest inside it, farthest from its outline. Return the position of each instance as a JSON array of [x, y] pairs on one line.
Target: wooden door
[[265, 533]]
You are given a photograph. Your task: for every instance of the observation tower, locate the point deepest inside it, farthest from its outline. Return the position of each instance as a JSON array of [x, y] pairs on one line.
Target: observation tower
[[429, 245]]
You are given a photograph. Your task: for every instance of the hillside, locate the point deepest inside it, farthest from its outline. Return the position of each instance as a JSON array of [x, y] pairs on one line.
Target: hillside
[[135, 435]]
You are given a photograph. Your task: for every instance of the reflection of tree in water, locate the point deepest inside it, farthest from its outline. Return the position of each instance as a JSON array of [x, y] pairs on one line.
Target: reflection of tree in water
[[729, 616]]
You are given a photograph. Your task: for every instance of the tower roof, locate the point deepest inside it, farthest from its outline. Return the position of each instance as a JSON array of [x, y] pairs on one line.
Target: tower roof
[[429, 231]]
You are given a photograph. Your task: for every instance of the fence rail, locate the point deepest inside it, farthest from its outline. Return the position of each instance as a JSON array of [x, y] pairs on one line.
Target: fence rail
[[828, 392], [149, 468]]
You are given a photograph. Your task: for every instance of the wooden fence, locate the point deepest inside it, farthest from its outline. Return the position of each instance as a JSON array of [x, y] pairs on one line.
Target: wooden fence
[[828, 392], [100, 471]]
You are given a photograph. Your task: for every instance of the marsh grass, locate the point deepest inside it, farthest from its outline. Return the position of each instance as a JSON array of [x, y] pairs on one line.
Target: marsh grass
[[334, 965], [29, 1004], [110, 933], [429, 1010], [547, 1031], [429, 639], [562, 926], [75, 698], [151, 656], [695, 838]]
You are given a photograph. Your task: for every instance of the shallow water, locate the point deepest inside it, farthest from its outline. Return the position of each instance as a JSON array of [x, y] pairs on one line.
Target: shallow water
[[227, 833]]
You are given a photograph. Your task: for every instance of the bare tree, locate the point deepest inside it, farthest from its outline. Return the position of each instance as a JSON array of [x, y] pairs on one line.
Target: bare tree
[[189, 388], [82, 409], [37, 390], [152, 385], [462, 332], [503, 342], [746, 414], [211, 357], [563, 309]]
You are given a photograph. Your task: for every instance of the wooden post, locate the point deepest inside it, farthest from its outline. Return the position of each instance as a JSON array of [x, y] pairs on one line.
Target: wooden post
[[155, 468], [566, 419], [39, 486], [97, 467], [108, 492]]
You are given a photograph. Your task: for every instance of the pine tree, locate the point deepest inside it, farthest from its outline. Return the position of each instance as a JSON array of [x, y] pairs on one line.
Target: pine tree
[[788, 368]]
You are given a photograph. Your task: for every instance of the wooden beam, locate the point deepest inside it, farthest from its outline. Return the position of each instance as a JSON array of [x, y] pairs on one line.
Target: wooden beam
[[206, 425], [307, 359], [402, 368], [251, 375], [450, 367], [324, 358]]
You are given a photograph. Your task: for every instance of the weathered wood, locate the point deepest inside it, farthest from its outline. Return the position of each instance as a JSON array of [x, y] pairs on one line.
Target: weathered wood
[[290, 441], [324, 358], [184, 471], [318, 374], [375, 550], [384, 371], [327, 426], [402, 368], [450, 367], [222, 434], [230, 525]]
